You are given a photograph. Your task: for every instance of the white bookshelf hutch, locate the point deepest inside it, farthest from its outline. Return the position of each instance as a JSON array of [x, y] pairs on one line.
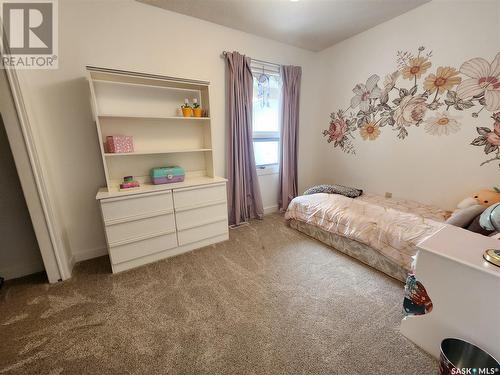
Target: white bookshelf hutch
[[156, 221]]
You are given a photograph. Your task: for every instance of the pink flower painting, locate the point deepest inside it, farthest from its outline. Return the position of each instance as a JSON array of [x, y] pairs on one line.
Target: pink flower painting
[[484, 80]]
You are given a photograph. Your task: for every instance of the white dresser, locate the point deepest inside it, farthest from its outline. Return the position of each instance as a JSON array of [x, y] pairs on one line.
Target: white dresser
[[156, 221], [145, 227], [464, 289]]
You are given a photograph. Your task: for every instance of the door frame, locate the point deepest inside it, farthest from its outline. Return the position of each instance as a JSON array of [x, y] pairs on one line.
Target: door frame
[[32, 177]]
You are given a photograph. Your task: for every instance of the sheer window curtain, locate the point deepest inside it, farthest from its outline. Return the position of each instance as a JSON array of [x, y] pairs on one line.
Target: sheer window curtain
[[244, 197], [288, 179]]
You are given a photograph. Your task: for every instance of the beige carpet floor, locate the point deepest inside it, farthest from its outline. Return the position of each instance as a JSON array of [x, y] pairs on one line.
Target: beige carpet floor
[[268, 301]]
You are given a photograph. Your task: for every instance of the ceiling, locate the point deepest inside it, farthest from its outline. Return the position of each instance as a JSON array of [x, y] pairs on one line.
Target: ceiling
[[310, 24]]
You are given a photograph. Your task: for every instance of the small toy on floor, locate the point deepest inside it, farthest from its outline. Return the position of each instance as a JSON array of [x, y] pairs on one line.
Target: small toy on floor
[[129, 183]]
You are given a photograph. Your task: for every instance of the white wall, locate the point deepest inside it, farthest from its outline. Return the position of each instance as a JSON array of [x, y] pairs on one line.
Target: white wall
[[269, 186], [440, 170], [128, 35]]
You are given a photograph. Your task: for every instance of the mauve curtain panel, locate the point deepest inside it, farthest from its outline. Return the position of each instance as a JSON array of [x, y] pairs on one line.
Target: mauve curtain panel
[[291, 76], [244, 198]]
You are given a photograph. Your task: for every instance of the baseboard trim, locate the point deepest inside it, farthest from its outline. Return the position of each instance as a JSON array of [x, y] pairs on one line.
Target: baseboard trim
[[270, 209], [89, 254]]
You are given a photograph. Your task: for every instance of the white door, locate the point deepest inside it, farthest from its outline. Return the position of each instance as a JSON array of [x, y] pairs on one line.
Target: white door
[[56, 265]]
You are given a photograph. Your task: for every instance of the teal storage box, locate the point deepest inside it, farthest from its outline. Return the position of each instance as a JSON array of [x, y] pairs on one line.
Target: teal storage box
[[167, 175]]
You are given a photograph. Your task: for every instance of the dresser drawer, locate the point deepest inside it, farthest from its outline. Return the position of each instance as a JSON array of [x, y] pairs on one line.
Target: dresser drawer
[[130, 230], [202, 232], [136, 206], [192, 217], [196, 196], [133, 250]]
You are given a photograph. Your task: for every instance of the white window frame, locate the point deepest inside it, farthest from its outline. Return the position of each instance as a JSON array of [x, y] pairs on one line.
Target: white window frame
[[262, 136]]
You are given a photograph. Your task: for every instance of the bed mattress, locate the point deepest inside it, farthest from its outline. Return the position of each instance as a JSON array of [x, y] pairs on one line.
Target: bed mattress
[[352, 248], [391, 227]]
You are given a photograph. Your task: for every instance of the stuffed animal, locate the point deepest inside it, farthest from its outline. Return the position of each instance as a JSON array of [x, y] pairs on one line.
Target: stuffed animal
[[469, 210], [487, 198], [473, 206]]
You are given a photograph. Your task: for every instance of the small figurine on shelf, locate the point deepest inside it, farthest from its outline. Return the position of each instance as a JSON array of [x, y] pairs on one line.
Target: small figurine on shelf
[[197, 111], [187, 111], [129, 183]]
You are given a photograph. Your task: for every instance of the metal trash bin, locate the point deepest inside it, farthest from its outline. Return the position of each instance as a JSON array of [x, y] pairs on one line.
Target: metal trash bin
[[462, 357]]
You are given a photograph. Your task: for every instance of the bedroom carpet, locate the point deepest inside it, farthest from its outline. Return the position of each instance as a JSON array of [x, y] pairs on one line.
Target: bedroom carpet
[[268, 301]]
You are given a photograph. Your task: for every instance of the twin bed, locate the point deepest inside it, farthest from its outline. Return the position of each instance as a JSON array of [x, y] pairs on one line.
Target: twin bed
[[378, 231]]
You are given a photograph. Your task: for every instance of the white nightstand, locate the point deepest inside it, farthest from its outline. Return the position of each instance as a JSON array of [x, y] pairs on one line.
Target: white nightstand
[[464, 289]]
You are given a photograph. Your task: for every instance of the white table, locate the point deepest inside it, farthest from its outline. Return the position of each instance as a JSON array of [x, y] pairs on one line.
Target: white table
[[464, 289]]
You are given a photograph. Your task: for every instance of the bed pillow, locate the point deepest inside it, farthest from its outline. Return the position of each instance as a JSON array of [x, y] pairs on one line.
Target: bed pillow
[[463, 217], [335, 189]]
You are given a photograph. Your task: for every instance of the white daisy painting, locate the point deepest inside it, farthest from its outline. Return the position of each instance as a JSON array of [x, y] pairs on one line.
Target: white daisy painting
[[441, 123]]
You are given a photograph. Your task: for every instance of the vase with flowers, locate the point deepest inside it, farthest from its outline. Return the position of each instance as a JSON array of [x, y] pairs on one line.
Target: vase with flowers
[[187, 111], [197, 111]]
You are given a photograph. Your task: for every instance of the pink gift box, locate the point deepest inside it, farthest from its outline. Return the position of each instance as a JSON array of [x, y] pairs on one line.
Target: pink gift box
[[119, 143]]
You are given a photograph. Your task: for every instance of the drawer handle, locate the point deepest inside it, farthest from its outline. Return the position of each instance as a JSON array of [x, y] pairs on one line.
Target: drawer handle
[[207, 222], [198, 240], [148, 215], [140, 238], [137, 195], [201, 205], [200, 187]]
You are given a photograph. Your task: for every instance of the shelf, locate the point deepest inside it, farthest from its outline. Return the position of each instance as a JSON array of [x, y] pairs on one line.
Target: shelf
[[168, 85], [155, 117], [157, 152], [190, 181], [147, 108]]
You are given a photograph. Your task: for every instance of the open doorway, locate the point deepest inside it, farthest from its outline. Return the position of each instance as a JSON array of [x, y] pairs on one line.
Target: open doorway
[[19, 251]]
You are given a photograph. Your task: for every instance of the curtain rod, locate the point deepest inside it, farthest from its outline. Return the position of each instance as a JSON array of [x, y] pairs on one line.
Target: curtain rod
[[257, 60]]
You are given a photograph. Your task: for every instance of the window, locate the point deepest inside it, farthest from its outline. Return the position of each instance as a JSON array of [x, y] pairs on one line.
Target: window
[[266, 114]]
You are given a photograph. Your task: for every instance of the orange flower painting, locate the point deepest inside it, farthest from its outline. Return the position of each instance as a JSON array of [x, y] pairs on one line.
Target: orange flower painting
[[415, 68], [445, 78], [369, 131]]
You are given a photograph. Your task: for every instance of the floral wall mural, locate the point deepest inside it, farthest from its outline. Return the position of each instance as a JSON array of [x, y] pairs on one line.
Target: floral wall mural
[[414, 95]]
